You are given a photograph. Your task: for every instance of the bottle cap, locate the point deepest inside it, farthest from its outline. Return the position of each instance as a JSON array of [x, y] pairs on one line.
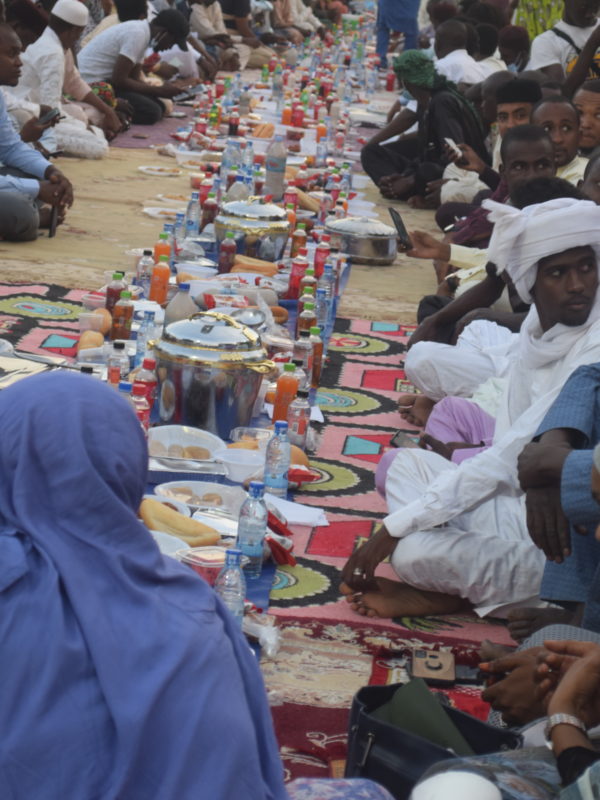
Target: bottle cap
[[125, 295], [321, 291], [288, 367], [118, 345], [86, 370], [147, 252], [289, 205], [124, 386], [281, 426], [139, 389], [117, 276], [315, 330], [195, 196], [211, 194], [309, 306], [302, 393], [304, 333], [309, 290], [233, 557], [149, 316], [149, 364], [297, 362], [300, 225], [163, 258], [230, 235], [184, 287], [256, 488], [310, 272], [163, 236]]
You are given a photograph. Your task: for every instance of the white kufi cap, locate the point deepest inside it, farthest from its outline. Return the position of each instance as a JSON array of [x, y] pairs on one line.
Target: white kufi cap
[[71, 11]]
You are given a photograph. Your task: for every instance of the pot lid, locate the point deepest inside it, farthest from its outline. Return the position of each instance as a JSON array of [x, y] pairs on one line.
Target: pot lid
[[360, 226], [252, 208], [210, 336]]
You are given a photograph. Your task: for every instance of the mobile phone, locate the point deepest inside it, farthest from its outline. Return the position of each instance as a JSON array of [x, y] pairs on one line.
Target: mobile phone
[[401, 228], [434, 666], [49, 116], [453, 146], [53, 222], [403, 439]]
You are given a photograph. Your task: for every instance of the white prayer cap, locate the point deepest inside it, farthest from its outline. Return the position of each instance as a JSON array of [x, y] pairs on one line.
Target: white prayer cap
[[454, 784], [71, 11], [522, 237]]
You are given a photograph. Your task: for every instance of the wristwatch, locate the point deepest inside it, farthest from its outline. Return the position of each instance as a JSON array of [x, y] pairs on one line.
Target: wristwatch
[[562, 719]]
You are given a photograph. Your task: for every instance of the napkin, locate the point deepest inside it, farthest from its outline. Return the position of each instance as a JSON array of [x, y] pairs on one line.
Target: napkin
[[297, 513]]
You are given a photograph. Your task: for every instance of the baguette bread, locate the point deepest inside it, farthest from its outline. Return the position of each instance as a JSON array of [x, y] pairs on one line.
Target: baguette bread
[[159, 517], [308, 203]]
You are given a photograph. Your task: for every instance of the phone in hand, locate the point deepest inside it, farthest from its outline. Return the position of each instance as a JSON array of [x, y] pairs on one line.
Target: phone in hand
[[49, 116], [453, 146], [403, 439], [53, 222], [401, 228]]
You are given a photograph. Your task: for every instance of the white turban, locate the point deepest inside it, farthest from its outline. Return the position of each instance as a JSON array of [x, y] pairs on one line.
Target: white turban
[[72, 11], [522, 237]]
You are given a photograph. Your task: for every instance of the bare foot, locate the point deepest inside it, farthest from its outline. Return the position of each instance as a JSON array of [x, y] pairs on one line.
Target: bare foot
[[415, 409], [522, 622], [395, 599], [45, 214], [489, 651]]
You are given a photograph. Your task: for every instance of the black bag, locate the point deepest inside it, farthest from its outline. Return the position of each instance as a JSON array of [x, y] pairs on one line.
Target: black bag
[[396, 758]]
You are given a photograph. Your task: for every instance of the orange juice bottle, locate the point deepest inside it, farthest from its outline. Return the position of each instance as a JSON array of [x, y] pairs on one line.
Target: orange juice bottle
[[162, 247], [307, 319], [287, 387], [291, 215], [321, 131], [286, 115], [298, 239], [159, 282], [317, 343]]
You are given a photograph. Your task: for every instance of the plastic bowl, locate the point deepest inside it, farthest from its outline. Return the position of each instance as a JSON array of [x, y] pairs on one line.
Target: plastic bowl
[[241, 464], [171, 502], [206, 494], [259, 435], [197, 270], [171, 441], [206, 561]]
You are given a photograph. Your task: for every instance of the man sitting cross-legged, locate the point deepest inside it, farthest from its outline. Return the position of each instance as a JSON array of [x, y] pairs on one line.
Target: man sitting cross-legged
[[457, 535]]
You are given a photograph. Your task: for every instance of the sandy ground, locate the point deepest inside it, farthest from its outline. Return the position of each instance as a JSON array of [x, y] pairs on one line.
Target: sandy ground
[[106, 220]]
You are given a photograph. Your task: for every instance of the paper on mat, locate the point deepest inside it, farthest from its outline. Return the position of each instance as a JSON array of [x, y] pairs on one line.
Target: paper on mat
[[298, 514]]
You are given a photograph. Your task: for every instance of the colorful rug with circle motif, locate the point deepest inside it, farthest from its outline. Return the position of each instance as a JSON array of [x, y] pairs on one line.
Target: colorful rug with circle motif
[[40, 318]]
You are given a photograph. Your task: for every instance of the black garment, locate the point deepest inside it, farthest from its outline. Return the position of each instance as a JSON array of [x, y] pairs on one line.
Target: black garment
[[430, 305], [573, 762], [234, 8], [146, 109], [445, 117], [403, 158]]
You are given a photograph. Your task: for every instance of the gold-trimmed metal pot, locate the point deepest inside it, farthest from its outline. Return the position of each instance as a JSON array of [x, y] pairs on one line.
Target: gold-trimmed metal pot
[[365, 240], [261, 229], [209, 370]]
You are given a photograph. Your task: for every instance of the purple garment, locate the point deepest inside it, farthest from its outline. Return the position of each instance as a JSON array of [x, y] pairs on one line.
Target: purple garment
[[122, 673], [475, 229], [456, 419]]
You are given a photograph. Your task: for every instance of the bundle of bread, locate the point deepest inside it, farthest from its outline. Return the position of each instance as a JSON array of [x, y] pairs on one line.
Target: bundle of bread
[[159, 517], [308, 203], [263, 131], [249, 264], [297, 455]]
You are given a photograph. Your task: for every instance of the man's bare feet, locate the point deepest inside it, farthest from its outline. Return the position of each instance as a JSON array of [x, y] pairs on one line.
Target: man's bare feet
[[395, 599], [415, 409], [522, 622], [45, 214]]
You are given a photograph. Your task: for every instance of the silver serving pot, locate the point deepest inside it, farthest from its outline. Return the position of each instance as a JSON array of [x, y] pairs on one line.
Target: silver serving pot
[[367, 241], [261, 229], [209, 370]]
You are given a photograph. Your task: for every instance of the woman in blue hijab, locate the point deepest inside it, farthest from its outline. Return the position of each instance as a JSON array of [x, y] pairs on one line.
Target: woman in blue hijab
[[122, 674]]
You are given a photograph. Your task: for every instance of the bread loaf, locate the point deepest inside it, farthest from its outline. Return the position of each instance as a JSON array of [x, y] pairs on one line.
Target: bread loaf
[[159, 517]]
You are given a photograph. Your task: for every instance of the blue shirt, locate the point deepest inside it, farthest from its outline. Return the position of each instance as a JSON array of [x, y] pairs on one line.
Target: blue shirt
[[15, 153]]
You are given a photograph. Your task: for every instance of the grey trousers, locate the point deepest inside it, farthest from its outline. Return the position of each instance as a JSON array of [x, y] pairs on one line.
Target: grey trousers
[[19, 213]]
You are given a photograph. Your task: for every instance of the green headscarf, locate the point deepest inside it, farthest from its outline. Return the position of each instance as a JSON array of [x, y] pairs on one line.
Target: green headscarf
[[414, 66]]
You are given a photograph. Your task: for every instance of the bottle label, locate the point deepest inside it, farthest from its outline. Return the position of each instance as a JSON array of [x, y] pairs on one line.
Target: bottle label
[[275, 164]]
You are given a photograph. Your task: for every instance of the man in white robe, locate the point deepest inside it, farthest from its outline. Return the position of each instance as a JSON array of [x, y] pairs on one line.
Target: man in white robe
[[457, 535]]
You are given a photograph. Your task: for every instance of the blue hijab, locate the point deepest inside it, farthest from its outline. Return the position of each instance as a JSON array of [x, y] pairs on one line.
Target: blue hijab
[[121, 673]]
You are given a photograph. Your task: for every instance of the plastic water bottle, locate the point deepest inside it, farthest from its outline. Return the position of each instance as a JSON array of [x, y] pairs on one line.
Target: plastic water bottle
[[145, 332], [231, 585], [231, 156], [249, 157], [238, 190], [252, 527], [327, 281], [179, 232], [143, 274], [277, 462], [193, 212], [181, 306], [275, 160], [299, 419]]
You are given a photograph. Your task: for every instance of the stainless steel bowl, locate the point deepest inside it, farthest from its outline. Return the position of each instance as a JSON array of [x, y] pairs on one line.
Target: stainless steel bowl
[[366, 241], [262, 229], [209, 368]]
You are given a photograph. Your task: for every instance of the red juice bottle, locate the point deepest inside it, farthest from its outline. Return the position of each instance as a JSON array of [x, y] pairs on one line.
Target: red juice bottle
[[113, 291], [209, 211], [299, 267], [322, 254], [227, 252]]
